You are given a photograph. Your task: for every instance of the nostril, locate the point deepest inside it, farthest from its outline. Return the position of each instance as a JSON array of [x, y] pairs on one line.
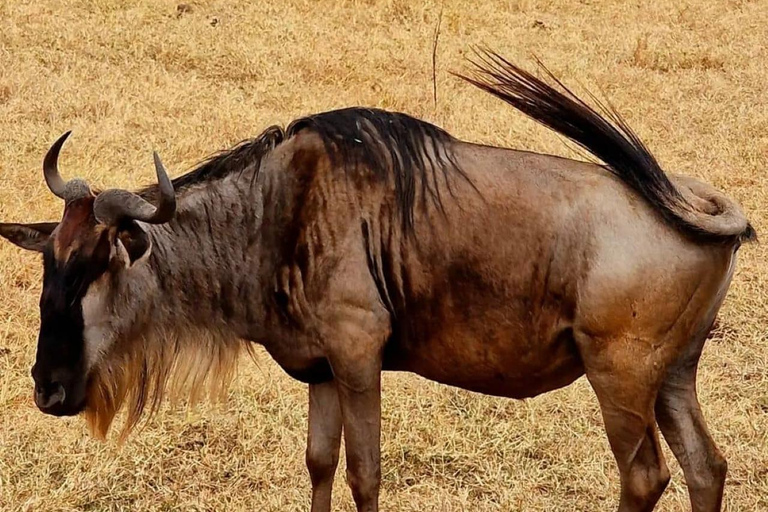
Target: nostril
[[50, 395], [59, 395]]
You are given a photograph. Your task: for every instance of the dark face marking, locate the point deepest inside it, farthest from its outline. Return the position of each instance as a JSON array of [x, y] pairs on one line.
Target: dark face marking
[[77, 256]]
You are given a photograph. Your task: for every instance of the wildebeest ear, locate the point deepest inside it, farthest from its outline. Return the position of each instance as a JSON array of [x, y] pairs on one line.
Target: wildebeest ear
[[32, 237], [132, 243]]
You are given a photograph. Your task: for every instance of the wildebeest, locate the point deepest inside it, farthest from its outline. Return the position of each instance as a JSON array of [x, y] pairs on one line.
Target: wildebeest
[[360, 240]]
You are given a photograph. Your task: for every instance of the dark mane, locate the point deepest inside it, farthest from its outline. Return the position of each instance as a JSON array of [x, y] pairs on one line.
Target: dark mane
[[392, 146], [247, 153], [608, 138], [412, 153]]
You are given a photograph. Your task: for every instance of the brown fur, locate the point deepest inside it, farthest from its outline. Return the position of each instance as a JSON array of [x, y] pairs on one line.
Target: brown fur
[[75, 228]]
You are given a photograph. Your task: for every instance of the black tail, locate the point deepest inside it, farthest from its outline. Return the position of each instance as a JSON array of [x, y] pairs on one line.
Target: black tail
[[608, 138]]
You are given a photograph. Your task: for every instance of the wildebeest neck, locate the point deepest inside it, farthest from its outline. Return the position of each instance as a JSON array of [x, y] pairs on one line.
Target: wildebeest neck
[[205, 261]]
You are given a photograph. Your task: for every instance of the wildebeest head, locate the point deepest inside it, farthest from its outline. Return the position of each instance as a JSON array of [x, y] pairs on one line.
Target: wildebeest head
[[98, 240]]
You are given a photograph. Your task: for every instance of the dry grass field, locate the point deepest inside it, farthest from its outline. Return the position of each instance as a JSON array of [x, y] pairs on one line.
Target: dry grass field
[[691, 76]]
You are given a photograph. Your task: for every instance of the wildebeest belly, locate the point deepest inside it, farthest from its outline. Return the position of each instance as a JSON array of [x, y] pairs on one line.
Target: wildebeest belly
[[485, 356]]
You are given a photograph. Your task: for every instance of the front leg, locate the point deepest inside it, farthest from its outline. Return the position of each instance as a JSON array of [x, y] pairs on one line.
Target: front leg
[[356, 364], [361, 413], [323, 441]]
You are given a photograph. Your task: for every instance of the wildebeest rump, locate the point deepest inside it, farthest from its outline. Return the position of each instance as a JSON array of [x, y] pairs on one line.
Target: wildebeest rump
[[360, 240]]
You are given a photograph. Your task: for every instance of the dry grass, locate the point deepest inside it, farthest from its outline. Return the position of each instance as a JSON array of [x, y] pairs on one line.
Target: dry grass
[[133, 75]]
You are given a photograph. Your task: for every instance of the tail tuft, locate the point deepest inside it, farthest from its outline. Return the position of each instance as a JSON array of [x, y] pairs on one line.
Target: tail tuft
[[607, 136]]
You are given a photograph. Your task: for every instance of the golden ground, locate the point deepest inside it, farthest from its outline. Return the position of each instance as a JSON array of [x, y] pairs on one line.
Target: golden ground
[[129, 76]]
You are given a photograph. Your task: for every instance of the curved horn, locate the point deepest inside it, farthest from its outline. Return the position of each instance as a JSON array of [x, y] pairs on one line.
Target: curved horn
[[51, 167], [113, 205], [67, 190]]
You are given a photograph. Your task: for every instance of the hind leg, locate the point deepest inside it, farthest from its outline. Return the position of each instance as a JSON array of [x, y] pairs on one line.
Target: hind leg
[[626, 383], [634, 441], [683, 426]]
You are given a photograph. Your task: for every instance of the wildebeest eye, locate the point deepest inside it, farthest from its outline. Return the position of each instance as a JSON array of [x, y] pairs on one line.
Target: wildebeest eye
[[134, 239]]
